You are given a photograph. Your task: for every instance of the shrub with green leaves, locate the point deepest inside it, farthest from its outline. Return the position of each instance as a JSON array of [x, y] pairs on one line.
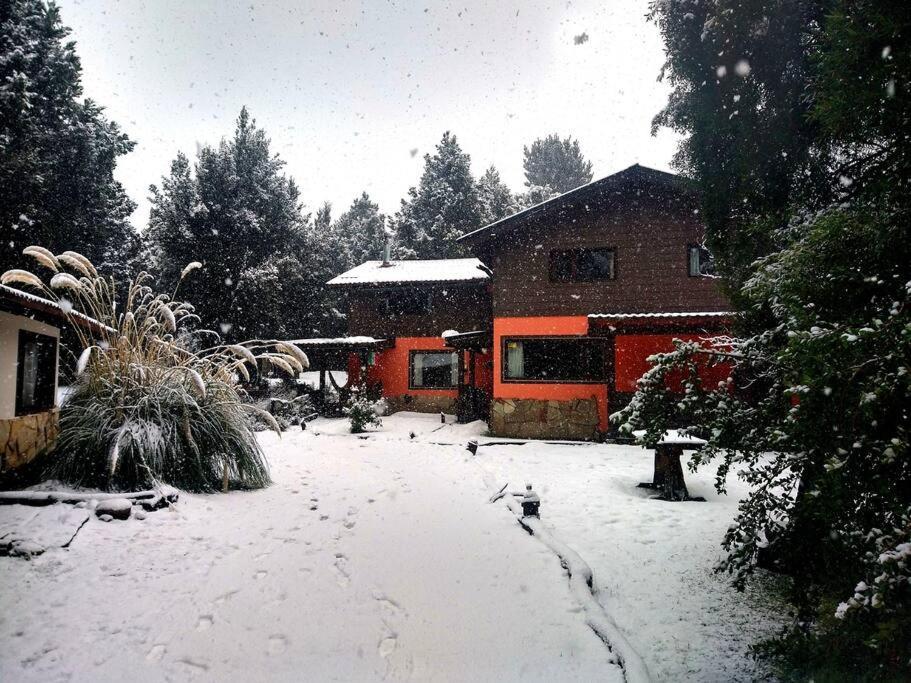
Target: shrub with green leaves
[[361, 411], [151, 403]]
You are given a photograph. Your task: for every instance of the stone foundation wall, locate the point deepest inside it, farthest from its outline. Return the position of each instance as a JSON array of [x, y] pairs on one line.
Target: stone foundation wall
[[421, 404], [25, 437], [521, 418]]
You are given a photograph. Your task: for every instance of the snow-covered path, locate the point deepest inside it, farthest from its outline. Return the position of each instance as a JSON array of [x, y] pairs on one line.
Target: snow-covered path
[[367, 559]]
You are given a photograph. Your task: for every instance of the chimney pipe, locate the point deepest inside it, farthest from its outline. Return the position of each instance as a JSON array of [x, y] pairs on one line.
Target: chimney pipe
[[386, 249]]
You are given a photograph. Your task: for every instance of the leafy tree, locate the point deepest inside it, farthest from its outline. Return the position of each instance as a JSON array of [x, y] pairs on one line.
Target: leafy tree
[[797, 136], [495, 199], [242, 218], [57, 151], [554, 166], [442, 208]]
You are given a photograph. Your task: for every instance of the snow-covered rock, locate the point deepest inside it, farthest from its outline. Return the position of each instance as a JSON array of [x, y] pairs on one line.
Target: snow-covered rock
[[117, 508]]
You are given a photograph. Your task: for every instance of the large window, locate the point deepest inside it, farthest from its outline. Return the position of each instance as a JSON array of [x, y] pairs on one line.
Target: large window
[[36, 373], [699, 261], [433, 370], [582, 265], [407, 302], [548, 359]]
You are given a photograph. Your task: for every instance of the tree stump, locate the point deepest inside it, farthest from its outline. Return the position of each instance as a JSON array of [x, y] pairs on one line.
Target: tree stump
[[668, 477]]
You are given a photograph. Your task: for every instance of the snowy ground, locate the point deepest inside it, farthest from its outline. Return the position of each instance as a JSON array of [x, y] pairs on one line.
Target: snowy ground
[[378, 557]]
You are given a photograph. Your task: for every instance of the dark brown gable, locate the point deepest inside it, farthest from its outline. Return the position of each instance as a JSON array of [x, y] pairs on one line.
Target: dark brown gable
[[649, 231], [397, 311]]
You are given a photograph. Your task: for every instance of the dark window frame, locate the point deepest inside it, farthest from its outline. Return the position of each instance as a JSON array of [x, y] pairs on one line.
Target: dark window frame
[[440, 352], [598, 342], [705, 256], [46, 380], [403, 295], [575, 254]]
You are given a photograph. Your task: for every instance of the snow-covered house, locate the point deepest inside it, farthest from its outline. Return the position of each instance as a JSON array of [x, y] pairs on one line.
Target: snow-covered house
[[411, 304], [551, 338], [29, 341]]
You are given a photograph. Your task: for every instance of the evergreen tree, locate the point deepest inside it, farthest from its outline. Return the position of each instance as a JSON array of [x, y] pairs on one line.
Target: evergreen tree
[[798, 135], [57, 151], [443, 207], [241, 217], [358, 235], [495, 200], [554, 166]]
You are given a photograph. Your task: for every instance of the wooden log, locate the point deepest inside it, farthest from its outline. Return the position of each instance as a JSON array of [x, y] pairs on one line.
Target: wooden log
[[41, 498]]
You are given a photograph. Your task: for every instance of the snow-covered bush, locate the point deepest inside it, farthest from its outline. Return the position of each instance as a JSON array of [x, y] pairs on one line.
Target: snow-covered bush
[[361, 411], [149, 404]]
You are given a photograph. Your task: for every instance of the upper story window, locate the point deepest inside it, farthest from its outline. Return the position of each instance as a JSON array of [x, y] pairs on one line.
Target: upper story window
[[699, 260], [553, 359], [582, 265], [408, 302], [36, 373]]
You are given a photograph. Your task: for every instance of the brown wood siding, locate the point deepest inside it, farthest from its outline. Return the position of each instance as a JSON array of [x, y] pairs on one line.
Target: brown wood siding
[[455, 307], [650, 236]]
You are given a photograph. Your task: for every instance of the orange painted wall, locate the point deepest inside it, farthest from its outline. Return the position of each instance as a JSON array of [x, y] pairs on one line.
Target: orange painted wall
[[632, 350], [576, 325]]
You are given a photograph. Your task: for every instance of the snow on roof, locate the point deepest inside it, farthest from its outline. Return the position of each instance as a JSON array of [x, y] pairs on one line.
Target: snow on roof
[[697, 314], [425, 270], [337, 341], [39, 303]]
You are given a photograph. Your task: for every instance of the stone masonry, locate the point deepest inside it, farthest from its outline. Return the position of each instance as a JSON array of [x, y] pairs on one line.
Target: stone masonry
[[27, 436], [521, 418]]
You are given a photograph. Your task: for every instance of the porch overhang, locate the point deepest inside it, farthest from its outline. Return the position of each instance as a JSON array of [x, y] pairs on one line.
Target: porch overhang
[[465, 341], [607, 324], [333, 353]]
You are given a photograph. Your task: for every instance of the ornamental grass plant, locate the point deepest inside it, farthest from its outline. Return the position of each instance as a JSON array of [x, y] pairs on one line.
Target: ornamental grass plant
[[155, 401]]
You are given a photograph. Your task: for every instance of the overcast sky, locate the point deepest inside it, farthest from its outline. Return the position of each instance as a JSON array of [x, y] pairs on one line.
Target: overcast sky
[[347, 90]]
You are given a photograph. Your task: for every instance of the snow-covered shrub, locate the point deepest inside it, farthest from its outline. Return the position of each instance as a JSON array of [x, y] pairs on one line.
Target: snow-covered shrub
[[361, 411], [149, 404]]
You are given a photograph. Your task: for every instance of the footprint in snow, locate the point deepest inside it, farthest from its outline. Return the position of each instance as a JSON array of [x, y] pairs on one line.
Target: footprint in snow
[[205, 622], [343, 576], [387, 646], [261, 574], [156, 653], [277, 644]]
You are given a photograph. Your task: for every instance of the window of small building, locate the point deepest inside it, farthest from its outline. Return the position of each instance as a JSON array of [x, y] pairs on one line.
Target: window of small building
[[433, 369], [547, 359], [36, 373], [408, 302], [699, 260], [582, 265]]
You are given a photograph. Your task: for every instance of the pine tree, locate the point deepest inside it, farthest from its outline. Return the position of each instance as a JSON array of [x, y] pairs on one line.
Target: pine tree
[[57, 151], [241, 217], [443, 207], [797, 133], [358, 235], [554, 166], [495, 199]]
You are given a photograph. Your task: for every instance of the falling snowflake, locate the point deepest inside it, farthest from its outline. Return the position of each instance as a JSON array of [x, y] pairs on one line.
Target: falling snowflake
[[580, 39]]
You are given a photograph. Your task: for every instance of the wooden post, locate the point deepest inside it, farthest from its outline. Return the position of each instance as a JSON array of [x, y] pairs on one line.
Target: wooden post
[[224, 479]]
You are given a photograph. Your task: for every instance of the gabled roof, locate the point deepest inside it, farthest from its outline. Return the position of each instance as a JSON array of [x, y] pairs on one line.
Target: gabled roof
[[612, 186], [376, 273]]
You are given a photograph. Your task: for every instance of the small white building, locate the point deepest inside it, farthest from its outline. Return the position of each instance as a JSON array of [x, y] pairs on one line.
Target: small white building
[[29, 357]]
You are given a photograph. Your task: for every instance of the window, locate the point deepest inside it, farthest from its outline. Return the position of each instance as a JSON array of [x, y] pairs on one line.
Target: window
[[582, 265], [408, 302], [433, 370], [699, 261], [549, 359], [36, 375]]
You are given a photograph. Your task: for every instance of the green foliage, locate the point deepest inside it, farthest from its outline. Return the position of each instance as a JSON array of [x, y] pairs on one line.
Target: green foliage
[[57, 150], [360, 410], [442, 208], [241, 217], [555, 166], [798, 134]]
